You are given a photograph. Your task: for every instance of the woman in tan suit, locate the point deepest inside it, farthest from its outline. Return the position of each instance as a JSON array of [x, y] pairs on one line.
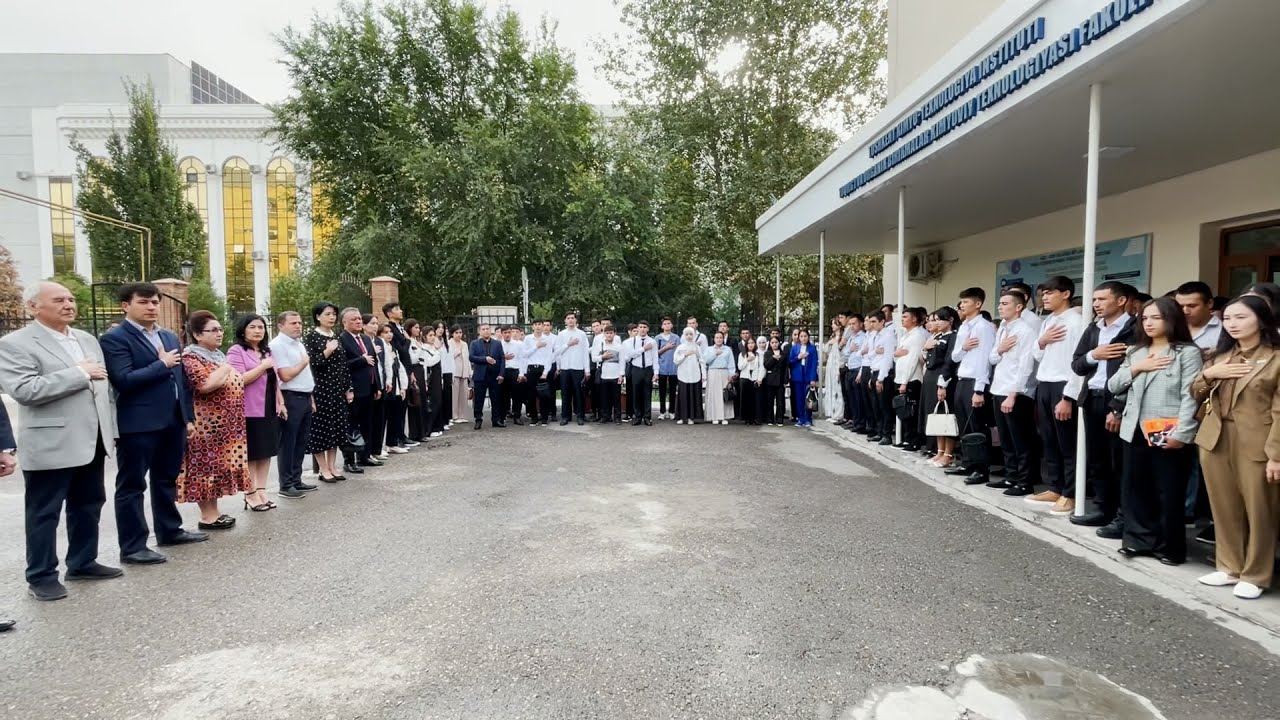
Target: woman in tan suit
[[461, 375], [1240, 445]]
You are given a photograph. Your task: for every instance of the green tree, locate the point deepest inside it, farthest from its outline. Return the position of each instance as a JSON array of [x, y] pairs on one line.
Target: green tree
[[138, 182], [738, 100], [10, 287]]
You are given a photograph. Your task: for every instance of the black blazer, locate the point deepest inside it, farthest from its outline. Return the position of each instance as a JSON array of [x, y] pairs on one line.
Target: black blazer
[[939, 358], [364, 377], [1089, 341], [148, 395], [482, 372], [400, 343], [6, 430], [775, 369]]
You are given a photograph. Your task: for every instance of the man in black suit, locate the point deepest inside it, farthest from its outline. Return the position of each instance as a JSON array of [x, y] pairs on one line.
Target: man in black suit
[[488, 363], [1098, 355], [400, 344], [378, 425], [153, 408], [362, 363], [8, 462]]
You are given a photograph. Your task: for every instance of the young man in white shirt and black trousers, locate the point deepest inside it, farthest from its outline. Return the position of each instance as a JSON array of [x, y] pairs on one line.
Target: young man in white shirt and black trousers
[[1057, 391], [973, 345], [573, 363], [293, 369], [908, 372], [513, 353], [1013, 406], [885, 388], [640, 356], [855, 412], [866, 382], [1097, 357], [537, 361]]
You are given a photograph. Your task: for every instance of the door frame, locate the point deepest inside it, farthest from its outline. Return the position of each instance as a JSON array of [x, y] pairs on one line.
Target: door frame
[[1260, 261]]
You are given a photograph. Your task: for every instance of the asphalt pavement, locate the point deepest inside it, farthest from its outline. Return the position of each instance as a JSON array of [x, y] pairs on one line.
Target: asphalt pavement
[[619, 572]]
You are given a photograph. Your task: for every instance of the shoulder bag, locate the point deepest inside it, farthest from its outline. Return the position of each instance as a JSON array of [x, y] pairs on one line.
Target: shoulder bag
[[941, 422]]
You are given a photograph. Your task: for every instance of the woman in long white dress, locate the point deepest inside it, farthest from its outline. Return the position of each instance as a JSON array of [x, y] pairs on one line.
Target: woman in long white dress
[[720, 365], [832, 394]]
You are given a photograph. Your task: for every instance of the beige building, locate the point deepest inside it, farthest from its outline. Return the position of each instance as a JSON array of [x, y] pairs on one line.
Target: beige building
[[983, 148]]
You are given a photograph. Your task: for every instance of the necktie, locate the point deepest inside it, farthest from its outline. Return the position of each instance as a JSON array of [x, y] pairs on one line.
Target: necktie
[[644, 359]]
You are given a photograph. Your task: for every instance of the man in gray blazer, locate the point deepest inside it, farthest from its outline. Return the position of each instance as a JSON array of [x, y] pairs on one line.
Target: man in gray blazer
[[66, 429]]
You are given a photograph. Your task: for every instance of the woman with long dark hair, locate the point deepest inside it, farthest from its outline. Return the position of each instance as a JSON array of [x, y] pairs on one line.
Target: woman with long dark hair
[[1159, 424], [939, 367], [332, 392], [448, 368], [773, 401], [457, 348], [750, 378], [263, 403], [417, 430], [1239, 444], [804, 375]]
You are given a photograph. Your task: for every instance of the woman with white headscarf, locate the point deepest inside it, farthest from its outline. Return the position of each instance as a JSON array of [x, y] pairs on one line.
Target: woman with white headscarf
[[688, 356], [720, 366]]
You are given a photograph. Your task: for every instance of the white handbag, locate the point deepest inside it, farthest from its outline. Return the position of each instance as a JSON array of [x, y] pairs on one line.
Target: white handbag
[[941, 422]]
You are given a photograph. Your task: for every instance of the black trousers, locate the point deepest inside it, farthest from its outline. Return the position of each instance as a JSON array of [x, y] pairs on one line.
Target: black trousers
[[1059, 437], [591, 388], [532, 376], [972, 419], [852, 397], [294, 430], [153, 458], [378, 424], [610, 399], [640, 391], [417, 426], [360, 417], [571, 394], [490, 388], [445, 407], [82, 489], [886, 396], [1155, 493], [667, 385], [435, 413], [771, 404], [512, 398], [395, 408], [1105, 452], [749, 395], [910, 431], [1016, 430]]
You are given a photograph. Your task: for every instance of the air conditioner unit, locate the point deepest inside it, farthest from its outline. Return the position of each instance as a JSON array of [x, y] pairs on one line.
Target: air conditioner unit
[[259, 255], [211, 168], [255, 169], [303, 243], [925, 266]]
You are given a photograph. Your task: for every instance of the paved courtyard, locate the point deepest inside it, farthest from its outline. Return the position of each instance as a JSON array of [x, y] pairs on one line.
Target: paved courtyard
[[605, 572]]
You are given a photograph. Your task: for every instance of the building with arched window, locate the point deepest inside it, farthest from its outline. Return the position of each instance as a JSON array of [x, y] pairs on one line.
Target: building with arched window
[[254, 201]]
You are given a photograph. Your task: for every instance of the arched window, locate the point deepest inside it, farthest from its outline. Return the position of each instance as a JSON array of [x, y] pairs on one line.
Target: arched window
[[195, 188], [237, 223], [282, 216], [63, 225]]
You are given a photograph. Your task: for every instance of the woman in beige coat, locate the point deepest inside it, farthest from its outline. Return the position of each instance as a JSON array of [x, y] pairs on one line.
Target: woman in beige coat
[[461, 375]]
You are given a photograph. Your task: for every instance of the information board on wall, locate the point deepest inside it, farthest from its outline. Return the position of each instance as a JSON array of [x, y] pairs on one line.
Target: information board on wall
[[1127, 260]]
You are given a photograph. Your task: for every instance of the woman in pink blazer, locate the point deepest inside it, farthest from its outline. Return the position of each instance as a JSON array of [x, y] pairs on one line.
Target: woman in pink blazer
[[251, 357]]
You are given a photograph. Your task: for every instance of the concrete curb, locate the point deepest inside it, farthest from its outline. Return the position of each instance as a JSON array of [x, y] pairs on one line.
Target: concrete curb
[[1257, 620]]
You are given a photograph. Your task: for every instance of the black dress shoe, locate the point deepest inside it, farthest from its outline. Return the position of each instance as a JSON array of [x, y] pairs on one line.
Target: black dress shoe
[[94, 571], [885, 442], [353, 469], [1020, 491], [45, 592], [564, 421], [143, 557], [977, 478], [1113, 530], [1207, 536], [1134, 552], [957, 470], [332, 480], [499, 424], [1097, 518], [648, 422], [372, 462], [582, 421], [1000, 484], [7, 625], [305, 487], [517, 421], [875, 438], [479, 424], [184, 537], [902, 445], [1166, 560], [635, 421]]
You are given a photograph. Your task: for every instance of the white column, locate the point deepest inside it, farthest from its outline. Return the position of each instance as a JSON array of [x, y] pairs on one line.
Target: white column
[[777, 291], [261, 268], [822, 290], [902, 280], [1090, 249], [217, 234]]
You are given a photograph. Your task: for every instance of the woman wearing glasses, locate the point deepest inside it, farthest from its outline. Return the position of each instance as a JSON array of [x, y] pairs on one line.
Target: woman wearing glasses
[[216, 463]]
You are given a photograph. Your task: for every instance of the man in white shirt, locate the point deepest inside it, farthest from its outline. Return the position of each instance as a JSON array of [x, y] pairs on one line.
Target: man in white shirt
[[513, 399], [641, 357], [882, 369], [851, 355], [293, 369], [572, 352], [606, 351], [1057, 391], [866, 375], [973, 344], [1097, 357], [1196, 300], [1014, 408], [908, 372], [537, 360]]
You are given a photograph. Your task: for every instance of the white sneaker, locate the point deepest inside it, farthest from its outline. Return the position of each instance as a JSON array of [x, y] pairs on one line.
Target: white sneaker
[[448, 426], [397, 450], [679, 422], [411, 443], [1218, 579], [384, 456], [436, 434], [1247, 591]]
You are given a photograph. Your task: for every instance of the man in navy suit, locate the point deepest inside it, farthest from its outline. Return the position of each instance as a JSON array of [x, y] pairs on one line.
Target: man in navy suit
[[488, 361], [8, 462], [362, 363], [153, 410]]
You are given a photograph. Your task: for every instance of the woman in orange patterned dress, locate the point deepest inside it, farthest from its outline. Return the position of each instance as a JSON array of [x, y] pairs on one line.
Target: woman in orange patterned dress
[[217, 458]]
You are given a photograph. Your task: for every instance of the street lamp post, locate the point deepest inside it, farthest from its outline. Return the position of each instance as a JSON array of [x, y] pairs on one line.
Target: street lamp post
[[188, 268]]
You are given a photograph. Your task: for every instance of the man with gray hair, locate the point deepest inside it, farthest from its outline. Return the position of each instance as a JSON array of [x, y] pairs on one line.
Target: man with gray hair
[[66, 430], [293, 368]]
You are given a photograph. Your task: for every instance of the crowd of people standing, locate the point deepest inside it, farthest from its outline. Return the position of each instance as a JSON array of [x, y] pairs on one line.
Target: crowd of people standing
[[1180, 397]]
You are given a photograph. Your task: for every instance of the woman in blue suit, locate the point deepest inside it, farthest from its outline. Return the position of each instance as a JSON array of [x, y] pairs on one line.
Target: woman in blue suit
[[804, 374]]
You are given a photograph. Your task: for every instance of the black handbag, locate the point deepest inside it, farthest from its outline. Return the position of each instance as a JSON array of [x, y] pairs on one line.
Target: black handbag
[[543, 389], [354, 442], [730, 392], [903, 407], [413, 398]]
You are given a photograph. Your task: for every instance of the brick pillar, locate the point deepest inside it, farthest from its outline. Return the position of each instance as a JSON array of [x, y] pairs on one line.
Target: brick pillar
[[382, 290], [173, 312]]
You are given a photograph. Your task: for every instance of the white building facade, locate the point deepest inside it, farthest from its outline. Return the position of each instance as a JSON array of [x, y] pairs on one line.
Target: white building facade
[[246, 190], [983, 149]]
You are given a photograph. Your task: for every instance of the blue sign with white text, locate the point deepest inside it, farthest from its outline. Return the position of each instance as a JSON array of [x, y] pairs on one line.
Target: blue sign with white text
[[1127, 260]]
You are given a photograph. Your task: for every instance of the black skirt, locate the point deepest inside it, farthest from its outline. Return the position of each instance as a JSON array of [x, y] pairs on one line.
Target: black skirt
[[263, 437]]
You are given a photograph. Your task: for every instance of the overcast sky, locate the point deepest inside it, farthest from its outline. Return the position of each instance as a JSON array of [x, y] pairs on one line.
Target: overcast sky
[[233, 38]]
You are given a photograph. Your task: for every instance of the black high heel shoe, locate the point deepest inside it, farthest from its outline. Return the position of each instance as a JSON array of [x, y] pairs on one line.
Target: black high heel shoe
[[256, 508]]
